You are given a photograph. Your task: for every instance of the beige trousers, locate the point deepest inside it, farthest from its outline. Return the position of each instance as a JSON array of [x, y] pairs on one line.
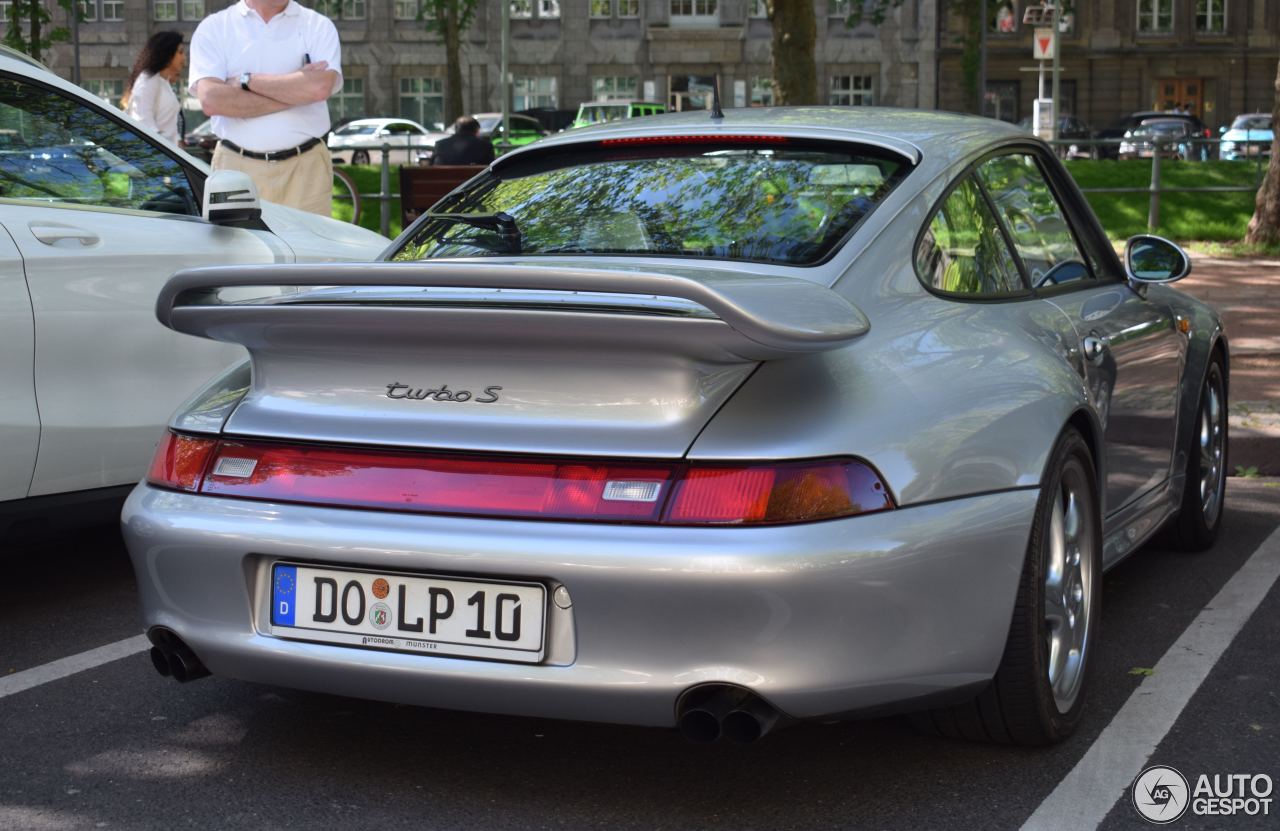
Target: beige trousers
[[304, 182]]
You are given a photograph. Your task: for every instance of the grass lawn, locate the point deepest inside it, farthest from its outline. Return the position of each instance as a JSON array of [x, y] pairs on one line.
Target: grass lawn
[[368, 179], [1184, 217]]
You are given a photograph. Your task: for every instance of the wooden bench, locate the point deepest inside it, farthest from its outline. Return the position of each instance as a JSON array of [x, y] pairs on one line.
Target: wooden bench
[[421, 186]]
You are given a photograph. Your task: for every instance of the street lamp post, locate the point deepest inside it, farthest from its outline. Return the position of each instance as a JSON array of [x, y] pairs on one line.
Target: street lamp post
[[1057, 66]]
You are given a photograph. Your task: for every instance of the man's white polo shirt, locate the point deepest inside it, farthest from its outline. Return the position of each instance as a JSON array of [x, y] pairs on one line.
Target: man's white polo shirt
[[237, 40]]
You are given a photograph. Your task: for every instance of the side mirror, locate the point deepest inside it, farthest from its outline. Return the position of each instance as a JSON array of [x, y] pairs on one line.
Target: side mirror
[[1222, 129], [1150, 259], [230, 197]]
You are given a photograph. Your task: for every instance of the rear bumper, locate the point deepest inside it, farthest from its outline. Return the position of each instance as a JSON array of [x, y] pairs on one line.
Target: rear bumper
[[819, 619]]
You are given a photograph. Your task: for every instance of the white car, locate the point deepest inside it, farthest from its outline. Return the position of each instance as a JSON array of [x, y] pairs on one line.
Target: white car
[[360, 141], [97, 212]]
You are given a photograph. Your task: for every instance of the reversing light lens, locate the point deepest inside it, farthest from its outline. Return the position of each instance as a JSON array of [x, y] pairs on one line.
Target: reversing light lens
[[180, 461]]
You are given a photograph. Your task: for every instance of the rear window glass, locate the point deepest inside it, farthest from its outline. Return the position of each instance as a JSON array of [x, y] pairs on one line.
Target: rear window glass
[[790, 204], [356, 130], [1252, 122]]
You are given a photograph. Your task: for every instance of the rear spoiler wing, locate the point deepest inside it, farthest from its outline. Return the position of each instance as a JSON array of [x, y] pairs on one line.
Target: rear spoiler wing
[[769, 316]]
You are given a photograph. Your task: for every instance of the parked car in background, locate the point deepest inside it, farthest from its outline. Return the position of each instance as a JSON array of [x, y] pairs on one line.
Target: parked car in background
[[797, 414], [1248, 137], [1172, 138], [201, 141], [1069, 128], [360, 141], [1199, 134], [551, 119], [601, 112], [97, 212]]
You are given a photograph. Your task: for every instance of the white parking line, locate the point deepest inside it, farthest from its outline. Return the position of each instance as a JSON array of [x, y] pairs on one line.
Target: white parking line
[[1084, 798], [63, 667]]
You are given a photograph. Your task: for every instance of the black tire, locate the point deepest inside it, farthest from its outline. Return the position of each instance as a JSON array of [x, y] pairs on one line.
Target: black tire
[[1195, 527], [1020, 706], [360, 157]]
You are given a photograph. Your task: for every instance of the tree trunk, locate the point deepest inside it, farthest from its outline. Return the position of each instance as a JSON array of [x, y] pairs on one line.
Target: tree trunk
[[453, 64], [1264, 228], [795, 70], [33, 8]]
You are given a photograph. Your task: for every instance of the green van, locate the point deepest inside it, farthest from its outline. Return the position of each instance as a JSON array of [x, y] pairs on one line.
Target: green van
[[599, 112]]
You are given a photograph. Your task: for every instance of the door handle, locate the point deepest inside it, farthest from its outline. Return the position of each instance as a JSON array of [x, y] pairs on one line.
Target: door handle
[[1095, 347], [52, 233]]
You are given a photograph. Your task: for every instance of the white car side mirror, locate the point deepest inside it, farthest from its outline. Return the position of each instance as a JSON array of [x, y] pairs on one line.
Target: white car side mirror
[[230, 197]]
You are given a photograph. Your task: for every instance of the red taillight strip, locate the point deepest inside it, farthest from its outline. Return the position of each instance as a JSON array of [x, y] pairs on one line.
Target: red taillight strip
[[695, 139], [522, 487]]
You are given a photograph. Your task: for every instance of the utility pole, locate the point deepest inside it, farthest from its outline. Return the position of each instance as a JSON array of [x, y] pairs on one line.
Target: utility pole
[[1057, 66], [982, 61], [505, 144]]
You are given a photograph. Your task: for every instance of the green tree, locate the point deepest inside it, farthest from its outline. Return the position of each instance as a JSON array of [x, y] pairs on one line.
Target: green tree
[[1264, 228], [449, 19], [28, 27]]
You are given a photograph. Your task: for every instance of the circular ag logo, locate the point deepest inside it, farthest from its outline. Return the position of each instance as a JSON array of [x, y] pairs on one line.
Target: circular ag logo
[[1160, 794]]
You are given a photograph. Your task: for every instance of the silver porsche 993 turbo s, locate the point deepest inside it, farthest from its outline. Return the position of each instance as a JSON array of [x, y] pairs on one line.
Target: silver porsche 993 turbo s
[[711, 423]]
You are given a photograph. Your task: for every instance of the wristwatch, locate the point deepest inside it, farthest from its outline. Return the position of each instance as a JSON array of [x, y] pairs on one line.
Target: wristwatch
[[244, 81]]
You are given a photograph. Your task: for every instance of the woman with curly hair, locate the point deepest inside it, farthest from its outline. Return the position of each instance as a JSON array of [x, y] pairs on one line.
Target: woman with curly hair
[[148, 95]]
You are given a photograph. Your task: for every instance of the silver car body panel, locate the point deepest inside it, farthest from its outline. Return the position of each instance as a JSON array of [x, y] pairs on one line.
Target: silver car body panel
[[956, 404], [819, 619]]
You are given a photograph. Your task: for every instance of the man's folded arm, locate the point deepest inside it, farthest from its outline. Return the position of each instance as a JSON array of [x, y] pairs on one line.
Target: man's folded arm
[[219, 97]]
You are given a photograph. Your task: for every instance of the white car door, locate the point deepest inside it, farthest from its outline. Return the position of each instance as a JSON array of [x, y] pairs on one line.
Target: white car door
[[102, 217], [19, 424]]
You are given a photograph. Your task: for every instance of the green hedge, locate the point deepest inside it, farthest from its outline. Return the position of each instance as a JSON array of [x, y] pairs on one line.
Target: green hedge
[[368, 179]]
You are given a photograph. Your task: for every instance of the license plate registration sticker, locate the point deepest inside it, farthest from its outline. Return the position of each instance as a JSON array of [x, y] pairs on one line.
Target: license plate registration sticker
[[409, 612]]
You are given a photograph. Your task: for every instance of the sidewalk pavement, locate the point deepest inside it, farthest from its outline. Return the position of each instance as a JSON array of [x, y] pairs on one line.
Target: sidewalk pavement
[[1247, 292]]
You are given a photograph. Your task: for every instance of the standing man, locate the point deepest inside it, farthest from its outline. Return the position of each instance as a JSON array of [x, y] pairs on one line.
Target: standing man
[[263, 70]]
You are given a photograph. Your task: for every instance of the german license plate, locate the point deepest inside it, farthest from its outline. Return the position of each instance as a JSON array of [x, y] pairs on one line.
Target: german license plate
[[409, 612]]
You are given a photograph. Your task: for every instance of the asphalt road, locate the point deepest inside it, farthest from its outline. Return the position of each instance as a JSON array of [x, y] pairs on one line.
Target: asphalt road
[[117, 746]]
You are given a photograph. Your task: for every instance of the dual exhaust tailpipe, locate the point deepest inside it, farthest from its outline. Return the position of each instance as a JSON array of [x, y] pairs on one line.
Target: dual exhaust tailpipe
[[705, 714], [172, 658]]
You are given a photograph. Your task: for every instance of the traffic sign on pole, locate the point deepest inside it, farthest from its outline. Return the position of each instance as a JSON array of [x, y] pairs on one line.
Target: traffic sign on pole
[[1044, 44]]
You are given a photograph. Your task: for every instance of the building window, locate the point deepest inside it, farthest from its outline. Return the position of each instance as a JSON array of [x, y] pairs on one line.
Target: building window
[[838, 8], [1005, 18], [757, 8], [165, 11], [110, 11], [1155, 16], [349, 103], [413, 10], [341, 9], [548, 9], [109, 90], [521, 9], [694, 12], [762, 91], [421, 100], [1001, 101], [614, 88], [852, 91], [529, 92], [1211, 16], [624, 8]]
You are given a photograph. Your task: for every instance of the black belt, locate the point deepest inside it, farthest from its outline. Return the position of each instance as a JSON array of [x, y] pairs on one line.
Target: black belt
[[270, 155]]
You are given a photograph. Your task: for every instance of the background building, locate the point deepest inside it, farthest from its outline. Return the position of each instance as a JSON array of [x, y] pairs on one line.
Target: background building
[[1120, 56], [563, 52]]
